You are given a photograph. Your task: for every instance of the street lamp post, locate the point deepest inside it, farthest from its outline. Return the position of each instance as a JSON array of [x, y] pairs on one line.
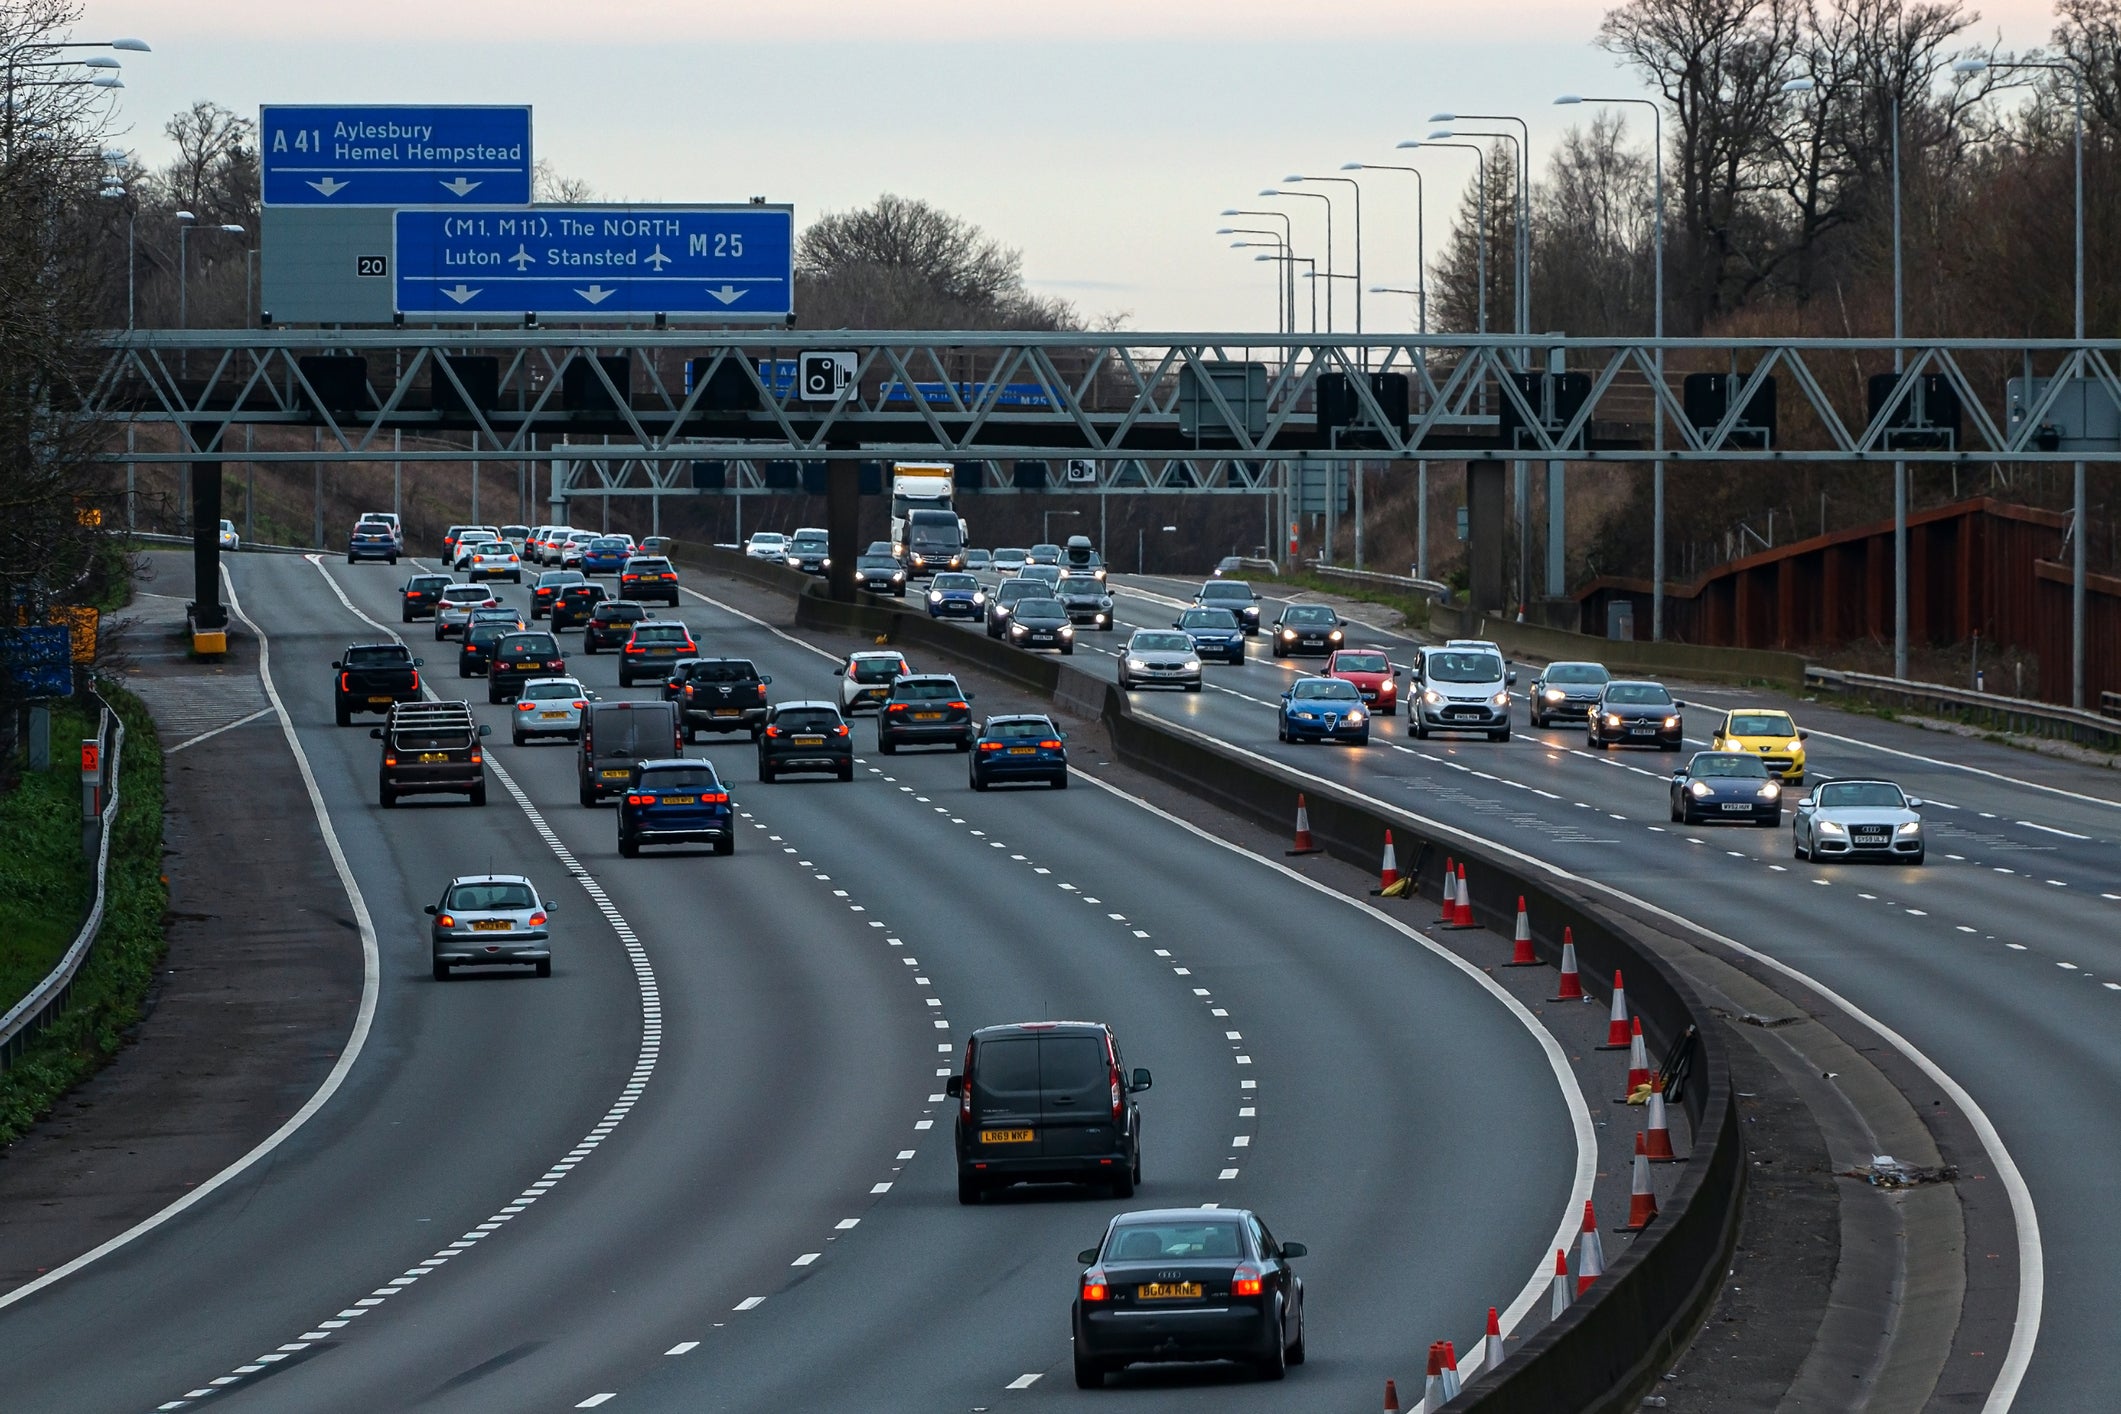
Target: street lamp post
[[37, 46], [1311, 275], [1355, 187], [1046, 524], [1288, 238], [2077, 508], [1657, 357], [1524, 198], [1480, 247], [1421, 254], [1328, 203], [1284, 309]]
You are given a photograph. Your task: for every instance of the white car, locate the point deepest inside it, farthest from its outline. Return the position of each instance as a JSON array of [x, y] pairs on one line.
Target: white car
[[1009, 562], [572, 544], [767, 545], [494, 559], [866, 678], [453, 610], [229, 539], [1847, 819], [549, 707], [389, 518], [468, 542]]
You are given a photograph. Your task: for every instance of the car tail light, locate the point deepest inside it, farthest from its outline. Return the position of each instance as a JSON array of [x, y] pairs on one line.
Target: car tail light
[[1095, 1287], [720, 797], [960, 706], [896, 707], [633, 648], [525, 705], [578, 706], [1119, 1095], [537, 920], [840, 730], [445, 920], [640, 800], [1051, 745], [773, 731], [762, 692], [990, 746], [390, 760], [477, 759], [344, 679], [1244, 1281], [415, 679]]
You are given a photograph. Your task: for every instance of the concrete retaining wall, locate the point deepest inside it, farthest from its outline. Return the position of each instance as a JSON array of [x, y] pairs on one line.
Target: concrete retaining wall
[[1680, 660]]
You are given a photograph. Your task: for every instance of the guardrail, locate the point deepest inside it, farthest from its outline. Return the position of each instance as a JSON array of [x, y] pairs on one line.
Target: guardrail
[[156, 537], [1607, 1349], [2012, 714], [2110, 704], [49, 997], [1405, 584]]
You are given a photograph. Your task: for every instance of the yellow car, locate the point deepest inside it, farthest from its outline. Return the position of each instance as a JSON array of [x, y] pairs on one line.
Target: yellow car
[[1768, 734]]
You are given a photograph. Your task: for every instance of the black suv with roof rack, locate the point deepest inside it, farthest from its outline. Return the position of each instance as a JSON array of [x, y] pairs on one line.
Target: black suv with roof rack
[[719, 695], [431, 748]]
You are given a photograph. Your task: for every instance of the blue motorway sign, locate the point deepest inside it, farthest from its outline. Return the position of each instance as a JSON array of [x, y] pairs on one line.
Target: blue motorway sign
[[394, 156], [724, 263], [38, 662]]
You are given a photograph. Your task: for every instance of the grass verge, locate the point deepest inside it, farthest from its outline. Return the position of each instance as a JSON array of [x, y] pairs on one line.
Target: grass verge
[[112, 984], [1414, 608]]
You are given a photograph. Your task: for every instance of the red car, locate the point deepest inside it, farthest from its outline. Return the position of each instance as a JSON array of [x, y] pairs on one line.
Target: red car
[[1371, 670]]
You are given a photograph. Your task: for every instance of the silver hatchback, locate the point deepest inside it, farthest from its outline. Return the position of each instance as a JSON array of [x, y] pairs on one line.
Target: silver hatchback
[[490, 919]]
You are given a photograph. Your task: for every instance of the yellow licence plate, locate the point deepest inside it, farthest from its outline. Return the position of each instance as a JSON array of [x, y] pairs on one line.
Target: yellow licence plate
[[491, 925], [728, 711], [680, 800], [1005, 1136], [551, 716], [927, 716], [428, 758], [1167, 1290], [373, 700], [809, 741], [616, 775], [1023, 751]]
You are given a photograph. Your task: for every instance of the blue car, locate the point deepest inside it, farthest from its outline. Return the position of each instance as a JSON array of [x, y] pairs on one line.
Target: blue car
[[607, 554], [1324, 709], [956, 596], [1025, 748], [675, 801], [1216, 633], [1726, 785]]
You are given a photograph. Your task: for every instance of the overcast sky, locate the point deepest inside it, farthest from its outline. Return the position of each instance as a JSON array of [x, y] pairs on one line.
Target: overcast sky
[[1100, 137]]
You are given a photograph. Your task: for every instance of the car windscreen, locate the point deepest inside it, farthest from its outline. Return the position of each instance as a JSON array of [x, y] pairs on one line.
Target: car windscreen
[[515, 532], [1463, 667], [1081, 584], [883, 564], [1327, 689], [1879, 795], [1034, 729], [723, 670], [1308, 615], [1009, 554], [632, 731], [1227, 589], [762, 541], [641, 564], [955, 581], [1207, 618], [381, 655], [1761, 724], [807, 719], [553, 578], [485, 635], [1040, 609], [1017, 589], [530, 645], [1174, 1241], [1638, 694], [1160, 643], [927, 690], [478, 898], [551, 692], [680, 778], [1362, 663], [875, 670], [607, 542], [1041, 574], [465, 594], [429, 583], [809, 544], [1577, 672], [660, 633], [620, 610], [1732, 765]]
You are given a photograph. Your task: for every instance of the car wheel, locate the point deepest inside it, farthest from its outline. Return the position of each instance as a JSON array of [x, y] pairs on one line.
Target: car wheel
[[1421, 729], [1920, 855], [885, 746], [977, 783], [441, 972], [629, 848], [344, 716], [964, 745], [1068, 650], [1089, 1373], [1193, 686], [545, 967], [766, 772], [1503, 735], [516, 738], [493, 696], [1675, 812], [725, 847], [587, 645], [1060, 782], [387, 798], [1796, 844], [1123, 1186], [405, 616], [1276, 1363], [846, 773], [1363, 740], [1774, 821], [478, 793], [587, 794], [1599, 743], [349, 559], [1686, 814], [969, 1190], [1296, 1351], [1281, 730]]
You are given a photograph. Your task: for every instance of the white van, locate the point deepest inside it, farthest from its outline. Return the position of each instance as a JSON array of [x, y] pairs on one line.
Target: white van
[[1464, 686]]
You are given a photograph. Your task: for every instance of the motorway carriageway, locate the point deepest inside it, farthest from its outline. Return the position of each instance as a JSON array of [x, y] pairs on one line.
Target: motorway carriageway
[[2000, 959], [707, 1165]]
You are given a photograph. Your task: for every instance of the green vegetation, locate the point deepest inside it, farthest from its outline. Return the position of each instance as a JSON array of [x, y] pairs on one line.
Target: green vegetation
[[44, 894], [1413, 607]]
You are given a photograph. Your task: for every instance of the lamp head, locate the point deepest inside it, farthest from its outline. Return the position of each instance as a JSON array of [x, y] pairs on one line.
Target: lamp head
[[1443, 117], [1297, 178], [183, 216], [1799, 86], [1970, 66], [106, 82], [100, 61], [1568, 100], [1269, 191], [1440, 134], [233, 230], [1410, 142], [1351, 167], [134, 46]]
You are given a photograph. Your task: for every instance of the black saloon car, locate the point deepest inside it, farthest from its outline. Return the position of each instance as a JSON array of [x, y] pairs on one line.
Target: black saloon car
[[1039, 623], [1188, 1284], [475, 656], [926, 709], [1635, 714], [1306, 628], [575, 603], [421, 596], [805, 736], [1566, 691]]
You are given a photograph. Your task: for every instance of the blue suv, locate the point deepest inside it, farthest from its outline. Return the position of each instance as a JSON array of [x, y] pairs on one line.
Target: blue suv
[[675, 801]]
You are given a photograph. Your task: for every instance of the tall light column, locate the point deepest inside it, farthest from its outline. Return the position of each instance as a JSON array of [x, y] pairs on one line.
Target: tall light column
[[1327, 202]]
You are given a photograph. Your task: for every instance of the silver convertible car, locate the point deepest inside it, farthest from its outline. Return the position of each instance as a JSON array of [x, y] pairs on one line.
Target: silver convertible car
[[1858, 820]]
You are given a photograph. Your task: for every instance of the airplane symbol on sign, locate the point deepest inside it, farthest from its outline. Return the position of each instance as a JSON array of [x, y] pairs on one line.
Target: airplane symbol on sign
[[658, 259], [522, 259]]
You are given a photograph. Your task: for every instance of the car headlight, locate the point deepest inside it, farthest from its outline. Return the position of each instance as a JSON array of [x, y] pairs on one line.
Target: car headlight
[[1770, 791], [898, 576], [1288, 633], [1307, 716], [828, 562], [793, 559], [1017, 629], [1334, 636], [1795, 746], [1067, 630], [860, 577], [1357, 716], [1501, 699], [1700, 790], [1828, 827], [1192, 665], [935, 596], [1671, 721], [1910, 827], [978, 599], [1137, 665], [1431, 696], [1612, 719], [1553, 694]]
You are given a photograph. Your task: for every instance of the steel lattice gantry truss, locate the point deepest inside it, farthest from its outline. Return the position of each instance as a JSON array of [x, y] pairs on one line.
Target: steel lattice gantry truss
[[1192, 412]]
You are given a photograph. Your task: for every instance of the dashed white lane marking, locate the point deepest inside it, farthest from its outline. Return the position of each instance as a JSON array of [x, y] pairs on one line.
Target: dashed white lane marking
[[806, 1259], [596, 1399], [1022, 1382], [646, 1055], [683, 1347], [749, 1303]]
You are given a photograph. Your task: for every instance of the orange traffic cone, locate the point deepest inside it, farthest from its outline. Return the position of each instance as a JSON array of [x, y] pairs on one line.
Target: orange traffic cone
[[1491, 1343], [1303, 831], [1642, 1199], [1571, 989], [1616, 1031], [1590, 1251], [1657, 1135], [1389, 874], [1638, 1060], [1450, 893], [1523, 956], [1450, 1372], [1432, 1385], [1463, 918], [1391, 1398], [1562, 1294]]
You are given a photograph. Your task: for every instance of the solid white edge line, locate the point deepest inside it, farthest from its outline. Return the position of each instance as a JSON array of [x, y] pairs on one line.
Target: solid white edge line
[[2025, 1330], [1535, 1290], [364, 1016]]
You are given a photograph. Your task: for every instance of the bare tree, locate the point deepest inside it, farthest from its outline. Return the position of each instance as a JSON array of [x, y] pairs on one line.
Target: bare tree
[[1591, 234], [215, 172], [902, 263], [549, 187]]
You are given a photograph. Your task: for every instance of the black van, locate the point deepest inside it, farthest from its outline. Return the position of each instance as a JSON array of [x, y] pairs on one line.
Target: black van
[[616, 735], [1046, 1101]]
